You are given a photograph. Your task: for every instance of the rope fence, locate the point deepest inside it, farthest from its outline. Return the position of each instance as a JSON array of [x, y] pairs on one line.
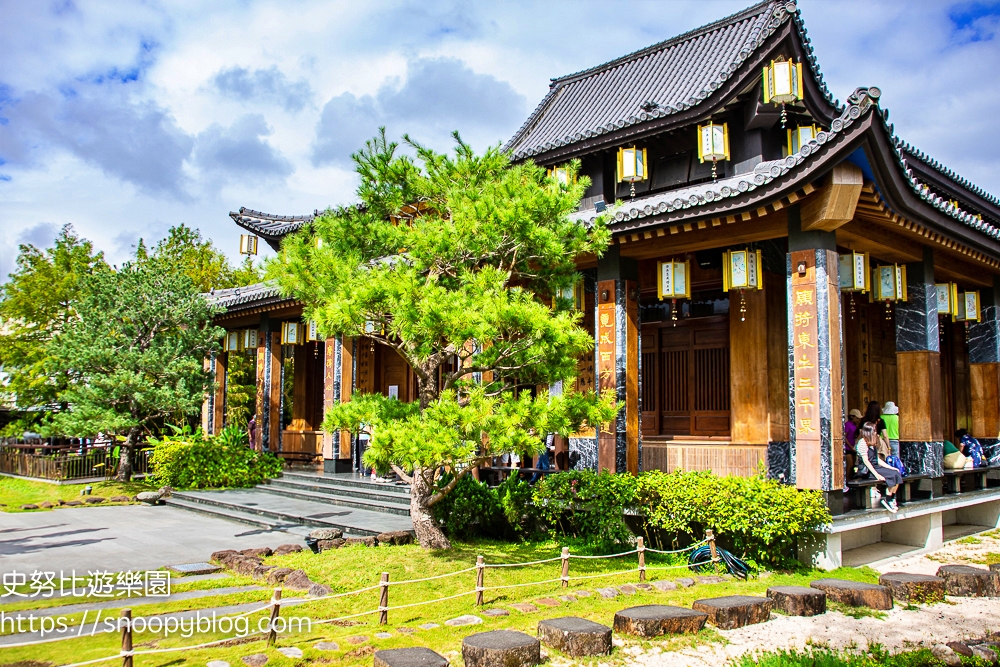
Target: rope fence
[[127, 653]]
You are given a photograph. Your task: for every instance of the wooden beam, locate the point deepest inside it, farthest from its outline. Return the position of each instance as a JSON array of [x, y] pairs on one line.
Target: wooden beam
[[773, 226], [835, 204]]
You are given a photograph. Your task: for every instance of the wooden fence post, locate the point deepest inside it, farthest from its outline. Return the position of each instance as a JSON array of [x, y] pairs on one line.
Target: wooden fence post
[[642, 558], [710, 537], [565, 567], [480, 577], [126, 614], [272, 633], [383, 603]]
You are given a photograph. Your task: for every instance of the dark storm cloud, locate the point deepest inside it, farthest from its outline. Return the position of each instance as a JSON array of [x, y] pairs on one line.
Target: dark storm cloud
[[263, 85], [439, 95], [238, 151]]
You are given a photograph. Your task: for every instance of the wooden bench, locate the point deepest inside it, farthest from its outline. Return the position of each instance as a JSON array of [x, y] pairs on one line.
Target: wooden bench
[[860, 489]]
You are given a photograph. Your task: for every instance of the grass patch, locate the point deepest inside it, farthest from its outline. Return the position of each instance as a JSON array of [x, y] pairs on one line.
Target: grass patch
[[351, 568], [15, 492], [995, 534], [875, 656], [856, 612], [991, 558], [969, 540]]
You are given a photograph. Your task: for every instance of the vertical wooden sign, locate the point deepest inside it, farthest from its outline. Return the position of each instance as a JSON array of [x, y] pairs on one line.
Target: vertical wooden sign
[[346, 389], [329, 393], [259, 421], [607, 376], [805, 389]]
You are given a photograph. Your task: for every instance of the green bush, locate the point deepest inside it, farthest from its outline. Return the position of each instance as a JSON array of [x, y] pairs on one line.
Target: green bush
[[587, 505], [873, 656], [760, 518], [473, 509], [195, 461]]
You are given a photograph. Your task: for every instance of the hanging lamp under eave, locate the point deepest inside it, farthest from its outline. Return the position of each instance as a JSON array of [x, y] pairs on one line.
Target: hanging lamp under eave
[[947, 299], [632, 166], [673, 282], [782, 84], [742, 270], [968, 307], [713, 144], [248, 244], [800, 136]]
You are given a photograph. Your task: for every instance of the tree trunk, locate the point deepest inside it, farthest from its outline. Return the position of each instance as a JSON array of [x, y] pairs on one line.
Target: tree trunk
[[125, 461], [426, 527]]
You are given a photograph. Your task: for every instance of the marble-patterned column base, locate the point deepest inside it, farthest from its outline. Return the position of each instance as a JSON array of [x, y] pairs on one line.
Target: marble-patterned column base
[[587, 448], [991, 450], [779, 461], [922, 458]]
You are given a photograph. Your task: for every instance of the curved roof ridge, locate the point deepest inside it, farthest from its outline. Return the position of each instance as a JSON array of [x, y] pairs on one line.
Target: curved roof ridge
[[912, 151]]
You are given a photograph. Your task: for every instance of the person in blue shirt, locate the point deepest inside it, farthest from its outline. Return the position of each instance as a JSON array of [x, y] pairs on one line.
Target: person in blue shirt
[[970, 447]]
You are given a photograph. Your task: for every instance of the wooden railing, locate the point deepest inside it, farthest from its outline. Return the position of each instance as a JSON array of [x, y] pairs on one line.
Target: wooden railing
[[722, 459], [63, 466]]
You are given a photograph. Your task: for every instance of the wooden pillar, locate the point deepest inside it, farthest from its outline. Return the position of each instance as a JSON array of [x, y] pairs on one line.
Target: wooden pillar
[[815, 347], [221, 363], [331, 380], [346, 389], [918, 371], [619, 448], [273, 406], [984, 366], [775, 293], [263, 388], [748, 373]]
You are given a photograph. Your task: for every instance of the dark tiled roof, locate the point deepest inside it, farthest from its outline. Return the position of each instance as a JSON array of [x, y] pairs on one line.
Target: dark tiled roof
[[236, 298], [863, 101], [271, 227], [677, 74]]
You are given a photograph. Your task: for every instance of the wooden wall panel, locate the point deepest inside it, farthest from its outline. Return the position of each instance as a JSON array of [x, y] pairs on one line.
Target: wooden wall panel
[[219, 404], [632, 377], [985, 399], [776, 295], [723, 460], [748, 369], [919, 375], [346, 389]]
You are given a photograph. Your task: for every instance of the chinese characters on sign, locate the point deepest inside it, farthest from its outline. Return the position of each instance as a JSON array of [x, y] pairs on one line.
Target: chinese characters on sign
[[607, 377], [805, 387], [95, 584]]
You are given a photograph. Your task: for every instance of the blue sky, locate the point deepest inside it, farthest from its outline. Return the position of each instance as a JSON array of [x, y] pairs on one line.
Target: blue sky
[[124, 118]]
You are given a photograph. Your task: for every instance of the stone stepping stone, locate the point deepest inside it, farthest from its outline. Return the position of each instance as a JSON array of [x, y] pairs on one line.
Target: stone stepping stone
[[627, 589], [428, 626], [608, 592], [968, 581], [195, 568], [798, 600], [524, 607], [568, 597], [653, 620], [357, 639], [735, 611], [664, 585], [326, 646], [574, 636], [686, 582], [383, 635], [644, 587], [216, 663], [711, 579], [914, 587], [409, 657], [405, 631], [290, 652], [466, 619], [855, 593], [255, 660], [548, 602], [582, 594], [495, 612], [501, 648]]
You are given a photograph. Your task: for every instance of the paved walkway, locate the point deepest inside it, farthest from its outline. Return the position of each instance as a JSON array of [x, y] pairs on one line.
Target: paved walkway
[[129, 537]]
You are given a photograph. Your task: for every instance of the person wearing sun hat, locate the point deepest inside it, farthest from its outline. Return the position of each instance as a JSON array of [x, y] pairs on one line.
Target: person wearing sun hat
[[851, 427], [890, 415]]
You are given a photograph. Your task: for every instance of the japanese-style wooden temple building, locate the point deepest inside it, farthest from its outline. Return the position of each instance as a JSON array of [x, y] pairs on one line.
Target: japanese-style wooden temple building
[[779, 258]]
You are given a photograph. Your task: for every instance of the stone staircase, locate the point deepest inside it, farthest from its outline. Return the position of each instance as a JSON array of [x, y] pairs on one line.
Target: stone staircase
[[296, 502]]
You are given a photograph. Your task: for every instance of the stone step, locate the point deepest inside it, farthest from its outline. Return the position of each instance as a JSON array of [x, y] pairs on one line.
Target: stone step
[[735, 611], [798, 600], [279, 512], [501, 648], [345, 481], [855, 593], [969, 581], [318, 494], [914, 587], [653, 620], [576, 637]]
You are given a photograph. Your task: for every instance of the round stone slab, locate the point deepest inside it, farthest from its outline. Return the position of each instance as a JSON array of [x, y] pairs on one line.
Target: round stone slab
[[855, 593], [575, 636], [501, 648], [913, 587], [968, 581], [798, 600], [653, 620], [409, 657], [735, 611]]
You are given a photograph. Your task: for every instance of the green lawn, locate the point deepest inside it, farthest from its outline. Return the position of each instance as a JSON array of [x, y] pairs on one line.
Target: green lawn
[[15, 492], [352, 568]]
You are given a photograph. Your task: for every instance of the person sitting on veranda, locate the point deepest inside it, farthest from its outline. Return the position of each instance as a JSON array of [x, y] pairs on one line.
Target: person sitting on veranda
[[954, 457], [875, 465], [971, 448]]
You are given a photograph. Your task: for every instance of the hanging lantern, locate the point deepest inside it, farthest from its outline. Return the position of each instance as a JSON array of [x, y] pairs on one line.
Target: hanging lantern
[[562, 175], [573, 294], [249, 339], [312, 331], [782, 84], [889, 283], [713, 143], [742, 270], [232, 342], [968, 307], [947, 299], [800, 136], [248, 244], [632, 166], [854, 275], [291, 333], [674, 282]]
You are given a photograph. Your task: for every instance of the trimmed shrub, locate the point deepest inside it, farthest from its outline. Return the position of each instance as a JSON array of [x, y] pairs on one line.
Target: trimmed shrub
[[473, 509], [195, 461], [584, 504]]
